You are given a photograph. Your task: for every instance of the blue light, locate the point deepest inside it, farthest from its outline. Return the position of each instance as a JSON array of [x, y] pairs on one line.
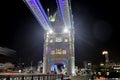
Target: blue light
[[43, 12], [59, 9], [37, 10], [65, 10], [49, 60], [32, 2], [49, 48], [67, 60]]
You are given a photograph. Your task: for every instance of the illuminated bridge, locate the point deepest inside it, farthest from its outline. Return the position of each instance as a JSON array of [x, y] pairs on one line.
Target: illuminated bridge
[[58, 38]]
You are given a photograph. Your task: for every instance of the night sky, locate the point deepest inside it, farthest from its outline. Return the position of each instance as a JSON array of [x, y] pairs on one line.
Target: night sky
[[96, 25]]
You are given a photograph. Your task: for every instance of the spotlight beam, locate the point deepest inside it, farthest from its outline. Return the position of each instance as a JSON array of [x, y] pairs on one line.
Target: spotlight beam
[[64, 7], [39, 13]]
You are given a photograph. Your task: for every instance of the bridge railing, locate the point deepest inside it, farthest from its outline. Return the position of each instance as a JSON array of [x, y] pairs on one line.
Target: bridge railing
[[31, 77]]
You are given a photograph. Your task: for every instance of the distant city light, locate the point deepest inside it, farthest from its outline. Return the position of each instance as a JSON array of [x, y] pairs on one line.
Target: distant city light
[[105, 52], [101, 64]]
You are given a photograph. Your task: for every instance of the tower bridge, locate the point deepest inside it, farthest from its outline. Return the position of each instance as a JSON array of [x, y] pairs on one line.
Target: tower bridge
[[58, 37]]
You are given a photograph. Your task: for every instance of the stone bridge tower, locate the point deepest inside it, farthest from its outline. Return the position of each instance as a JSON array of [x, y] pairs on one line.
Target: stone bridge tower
[[58, 54]]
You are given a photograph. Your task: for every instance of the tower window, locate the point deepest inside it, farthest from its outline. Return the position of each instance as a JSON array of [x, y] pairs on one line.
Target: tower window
[[66, 40], [64, 51], [58, 39], [58, 51], [47, 40], [52, 52], [51, 41]]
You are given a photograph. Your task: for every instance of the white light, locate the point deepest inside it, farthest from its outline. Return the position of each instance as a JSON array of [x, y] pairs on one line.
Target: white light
[[101, 64], [105, 52], [66, 30], [51, 32], [20, 71], [64, 65]]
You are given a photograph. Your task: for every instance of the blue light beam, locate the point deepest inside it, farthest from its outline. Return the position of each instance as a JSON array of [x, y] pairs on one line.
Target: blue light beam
[[39, 13], [64, 7]]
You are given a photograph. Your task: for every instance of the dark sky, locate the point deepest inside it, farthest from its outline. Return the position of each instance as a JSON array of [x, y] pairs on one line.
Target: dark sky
[[96, 25]]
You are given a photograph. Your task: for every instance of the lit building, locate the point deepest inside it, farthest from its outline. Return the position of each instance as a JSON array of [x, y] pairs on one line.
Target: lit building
[[59, 36], [107, 62]]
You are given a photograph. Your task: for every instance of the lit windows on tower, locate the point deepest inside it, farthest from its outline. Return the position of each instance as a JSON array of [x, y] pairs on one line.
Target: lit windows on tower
[[52, 52], [58, 39], [51, 41], [58, 51], [66, 40], [64, 51], [46, 39]]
